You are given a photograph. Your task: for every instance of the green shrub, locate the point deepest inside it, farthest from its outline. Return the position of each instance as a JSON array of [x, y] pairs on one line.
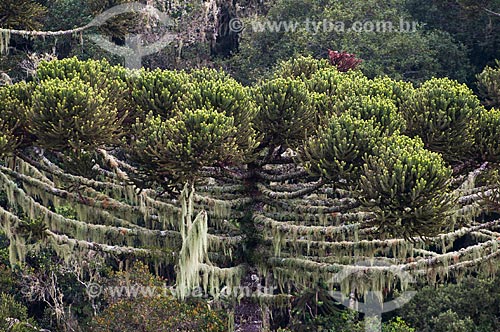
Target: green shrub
[[488, 135], [443, 113], [14, 316], [161, 313], [13, 101], [212, 89], [397, 325], [380, 109], [159, 91], [300, 67], [155, 310], [99, 74], [178, 147], [476, 297], [286, 112], [488, 82], [335, 87], [71, 115], [406, 187], [337, 151], [450, 321]]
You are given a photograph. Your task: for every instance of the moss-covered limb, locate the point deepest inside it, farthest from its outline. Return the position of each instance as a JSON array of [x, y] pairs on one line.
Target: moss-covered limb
[[425, 253], [224, 172], [298, 206], [297, 263], [289, 195], [219, 243], [147, 206], [105, 204], [215, 278], [469, 196], [490, 233], [218, 210], [484, 235], [330, 219], [360, 278], [29, 170], [217, 190], [468, 199], [398, 248], [477, 262], [17, 244], [305, 230], [292, 241], [222, 206], [351, 260], [464, 230], [377, 277], [81, 230], [104, 173], [226, 197], [35, 33], [50, 168], [465, 185], [277, 160], [168, 213], [281, 177], [60, 239], [113, 163], [471, 253]]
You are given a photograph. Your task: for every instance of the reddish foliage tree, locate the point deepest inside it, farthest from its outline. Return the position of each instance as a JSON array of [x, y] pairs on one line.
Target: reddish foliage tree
[[343, 61]]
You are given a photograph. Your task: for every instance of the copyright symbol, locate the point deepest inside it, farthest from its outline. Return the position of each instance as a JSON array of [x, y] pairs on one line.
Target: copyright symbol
[[235, 25], [94, 290]]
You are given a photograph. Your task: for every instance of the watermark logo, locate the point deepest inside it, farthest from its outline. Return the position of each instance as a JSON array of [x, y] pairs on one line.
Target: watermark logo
[[325, 26], [131, 291], [373, 306], [135, 44]]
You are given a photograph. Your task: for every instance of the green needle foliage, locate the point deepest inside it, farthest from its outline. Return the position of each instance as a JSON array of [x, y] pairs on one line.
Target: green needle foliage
[[443, 113], [13, 133], [406, 186], [209, 74], [21, 14], [380, 109], [397, 91], [301, 67], [99, 74], [337, 151], [8, 141], [333, 87], [286, 112], [71, 115], [489, 85], [213, 89], [327, 81], [341, 86], [159, 91], [175, 149], [488, 135]]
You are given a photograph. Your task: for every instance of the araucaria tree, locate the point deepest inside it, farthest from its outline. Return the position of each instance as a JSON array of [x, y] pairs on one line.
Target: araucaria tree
[[295, 180]]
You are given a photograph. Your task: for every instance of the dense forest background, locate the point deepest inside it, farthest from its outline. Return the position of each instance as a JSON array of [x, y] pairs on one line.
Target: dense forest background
[[454, 39]]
